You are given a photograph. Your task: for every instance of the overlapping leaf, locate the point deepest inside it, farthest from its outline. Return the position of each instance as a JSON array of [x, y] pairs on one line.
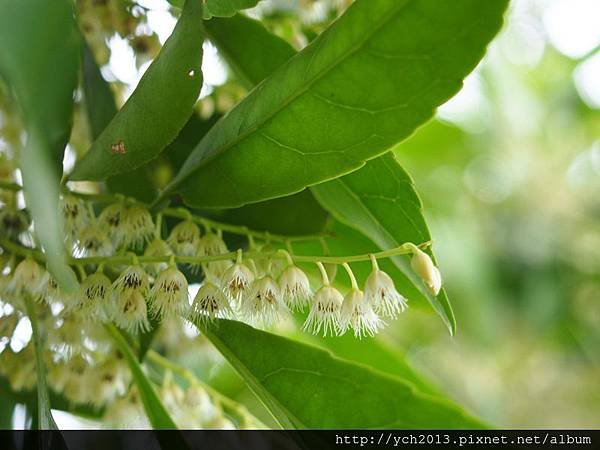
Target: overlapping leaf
[[39, 59], [158, 108], [306, 387], [359, 88]]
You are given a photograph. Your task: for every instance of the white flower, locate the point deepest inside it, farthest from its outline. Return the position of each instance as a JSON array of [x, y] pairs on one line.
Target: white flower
[[95, 293], [127, 225], [157, 247], [209, 303], [214, 270], [236, 281], [423, 266], [94, 242], [129, 292], [264, 304], [211, 244], [12, 223], [358, 314], [184, 238], [75, 214], [169, 294], [381, 293], [324, 312], [111, 220], [52, 292], [295, 287], [138, 228], [28, 277]]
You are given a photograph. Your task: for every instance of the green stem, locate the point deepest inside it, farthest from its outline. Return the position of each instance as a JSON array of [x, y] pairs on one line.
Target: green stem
[[127, 259]]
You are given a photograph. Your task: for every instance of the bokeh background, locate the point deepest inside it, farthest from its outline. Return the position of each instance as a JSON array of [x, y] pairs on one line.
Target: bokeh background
[[509, 173]]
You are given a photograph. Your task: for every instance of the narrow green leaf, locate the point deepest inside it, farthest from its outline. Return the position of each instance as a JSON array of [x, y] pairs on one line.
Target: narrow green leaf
[[158, 108], [307, 387], [380, 201], [156, 412], [99, 99], [362, 86], [39, 59], [45, 420], [252, 52]]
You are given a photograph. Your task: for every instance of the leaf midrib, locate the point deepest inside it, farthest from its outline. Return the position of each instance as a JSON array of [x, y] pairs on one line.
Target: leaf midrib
[[240, 137]]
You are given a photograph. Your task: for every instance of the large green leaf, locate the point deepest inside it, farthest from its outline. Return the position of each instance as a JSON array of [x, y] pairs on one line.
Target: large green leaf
[[45, 421], [307, 387], [380, 201], [157, 414], [221, 8], [158, 108], [359, 88], [39, 59], [252, 52]]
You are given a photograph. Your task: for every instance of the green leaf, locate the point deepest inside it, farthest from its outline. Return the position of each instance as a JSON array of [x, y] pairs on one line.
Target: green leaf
[[378, 355], [158, 108], [297, 214], [221, 8], [252, 52], [359, 88], [39, 59], [307, 387], [380, 201], [99, 100], [45, 421], [156, 412]]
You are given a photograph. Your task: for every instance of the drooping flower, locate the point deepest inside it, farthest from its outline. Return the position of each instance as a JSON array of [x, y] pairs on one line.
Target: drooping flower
[[93, 241], [295, 287], [184, 238], [209, 303], [381, 293], [138, 227], [423, 266], [13, 223], [53, 294], [129, 292], [75, 214], [237, 280], [211, 244], [324, 312], [214, 270], [95, 294], [169, 294], [358, 314], [263, 305], [157, 247], [111, 220], [29, 278]]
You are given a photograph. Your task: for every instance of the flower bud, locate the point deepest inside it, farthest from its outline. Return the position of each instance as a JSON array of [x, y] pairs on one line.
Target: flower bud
[[295, 288], [423, 266], [324, 312], [169, 294]]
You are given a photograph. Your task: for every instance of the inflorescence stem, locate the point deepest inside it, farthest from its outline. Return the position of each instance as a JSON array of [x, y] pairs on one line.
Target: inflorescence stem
[[127, 258]]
